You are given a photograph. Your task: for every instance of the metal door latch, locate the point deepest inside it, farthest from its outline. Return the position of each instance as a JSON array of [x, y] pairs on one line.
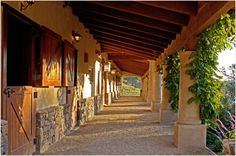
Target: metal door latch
[[8, 91]]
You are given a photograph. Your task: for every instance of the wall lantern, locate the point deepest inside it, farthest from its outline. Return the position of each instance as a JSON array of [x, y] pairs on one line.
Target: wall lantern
[[76, 36], [25, 4], [107, 67]]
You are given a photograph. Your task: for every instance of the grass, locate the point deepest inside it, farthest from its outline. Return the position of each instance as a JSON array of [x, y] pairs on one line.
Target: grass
[[128, 90]]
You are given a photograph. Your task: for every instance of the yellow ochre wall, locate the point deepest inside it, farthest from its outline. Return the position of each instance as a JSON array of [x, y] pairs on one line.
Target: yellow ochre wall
[[61, 20]]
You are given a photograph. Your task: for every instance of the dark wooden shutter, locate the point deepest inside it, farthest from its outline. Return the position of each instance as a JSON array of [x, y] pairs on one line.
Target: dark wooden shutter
[[68, 64], [51, 45]]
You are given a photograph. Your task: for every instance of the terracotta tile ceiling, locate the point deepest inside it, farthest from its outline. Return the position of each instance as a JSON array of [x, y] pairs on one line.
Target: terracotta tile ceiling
[[134, 32]]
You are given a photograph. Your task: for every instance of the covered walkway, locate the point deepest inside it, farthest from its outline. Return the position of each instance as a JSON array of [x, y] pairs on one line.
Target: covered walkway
[[63, 66], [127, 126]]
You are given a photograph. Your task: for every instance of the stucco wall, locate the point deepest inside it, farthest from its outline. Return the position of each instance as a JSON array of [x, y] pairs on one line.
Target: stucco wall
[[51, 96], [62, 21]]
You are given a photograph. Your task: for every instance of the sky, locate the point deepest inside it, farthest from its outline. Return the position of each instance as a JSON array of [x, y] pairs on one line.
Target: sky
[[226, 58]]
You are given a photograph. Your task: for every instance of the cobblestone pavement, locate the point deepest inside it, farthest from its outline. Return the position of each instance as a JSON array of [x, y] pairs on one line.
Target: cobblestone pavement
[[126, 127]]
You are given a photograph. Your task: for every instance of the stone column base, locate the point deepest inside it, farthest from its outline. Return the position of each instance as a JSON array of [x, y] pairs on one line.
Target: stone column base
[[167, 116], [155, 106], [189, 135]]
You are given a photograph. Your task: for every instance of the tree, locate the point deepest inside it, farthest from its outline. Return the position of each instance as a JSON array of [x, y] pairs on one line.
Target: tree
[[229, 84]]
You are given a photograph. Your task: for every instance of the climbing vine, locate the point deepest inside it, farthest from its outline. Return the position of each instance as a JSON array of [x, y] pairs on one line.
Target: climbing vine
[[203, 67], [172, 80]]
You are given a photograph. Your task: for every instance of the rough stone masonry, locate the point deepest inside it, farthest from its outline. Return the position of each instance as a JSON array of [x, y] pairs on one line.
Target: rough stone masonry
[[4, 137]]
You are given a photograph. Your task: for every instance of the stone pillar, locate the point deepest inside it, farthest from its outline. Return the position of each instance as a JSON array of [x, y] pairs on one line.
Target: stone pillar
[[166, 115], [151, 73], [188, 130], [157, 92], [118, 86], [115, 89]]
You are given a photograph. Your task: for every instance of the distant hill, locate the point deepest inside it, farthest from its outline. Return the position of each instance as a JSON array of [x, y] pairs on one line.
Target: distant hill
[[131, 86]]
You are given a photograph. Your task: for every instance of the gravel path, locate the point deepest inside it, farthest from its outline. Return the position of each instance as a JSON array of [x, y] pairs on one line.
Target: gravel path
[[127, 127]]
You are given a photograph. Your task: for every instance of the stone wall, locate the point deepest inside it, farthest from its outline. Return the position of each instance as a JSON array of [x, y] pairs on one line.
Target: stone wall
[[68, 121], [52, 124], [49, 127], [86, 110], [4, 137]]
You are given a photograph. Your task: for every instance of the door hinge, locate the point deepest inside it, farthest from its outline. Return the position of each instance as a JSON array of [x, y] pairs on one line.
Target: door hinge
[[35, 95]]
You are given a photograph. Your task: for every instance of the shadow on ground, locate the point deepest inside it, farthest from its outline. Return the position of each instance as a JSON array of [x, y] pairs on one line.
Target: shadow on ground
[[123, 128]]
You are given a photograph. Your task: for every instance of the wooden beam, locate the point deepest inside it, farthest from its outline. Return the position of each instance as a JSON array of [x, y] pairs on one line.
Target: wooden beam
[[125, 57], [161, 41], [123, 52], [103, 21], [128, 42], [207, 15], [184, 7], [120, 47], [132, 66], [129, 38], [142, 61], [100, 12], [147, 11], [124, 44], [126, 53]]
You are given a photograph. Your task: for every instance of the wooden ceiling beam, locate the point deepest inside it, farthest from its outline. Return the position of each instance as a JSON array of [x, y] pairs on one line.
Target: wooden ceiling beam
[[132, 66], [120, 47], [152, 48], [207, 15], [185, 7], [161, 41], [122, 52], [129, 28], [147, 11], [125, 57], [127, 38], [127, 54], [142, 61], [126, 45], [87, 9]]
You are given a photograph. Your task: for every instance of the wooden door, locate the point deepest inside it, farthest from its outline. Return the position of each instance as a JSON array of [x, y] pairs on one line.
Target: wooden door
[[51, 60], [17, 72], [21, 120], [68, 64]]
